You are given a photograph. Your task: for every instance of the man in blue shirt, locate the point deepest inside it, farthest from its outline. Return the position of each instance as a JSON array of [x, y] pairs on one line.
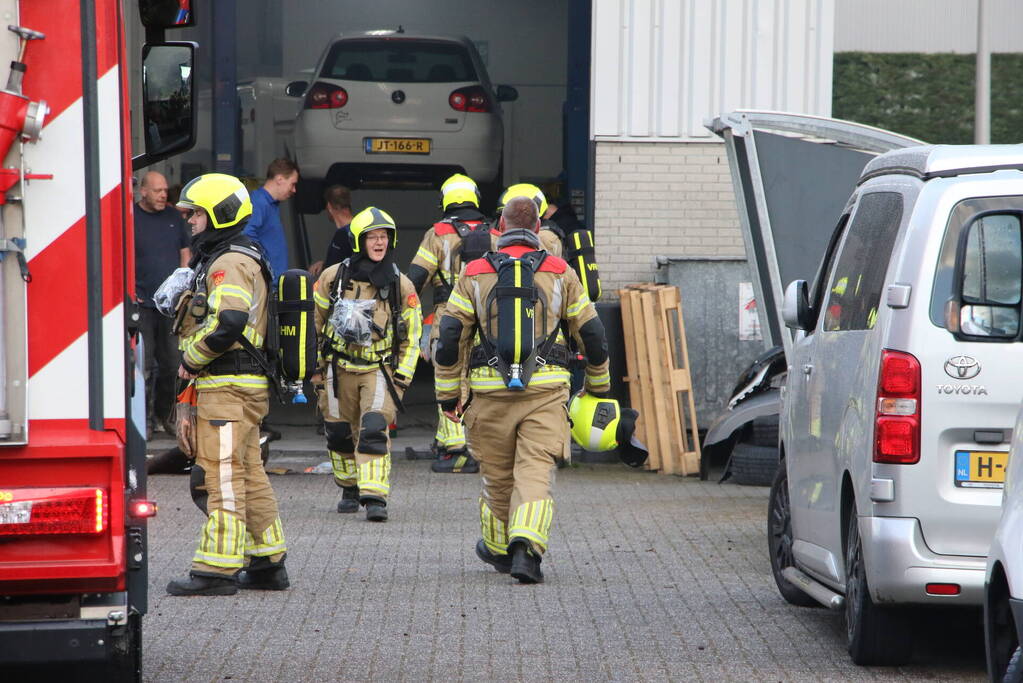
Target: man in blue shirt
[[265, 226]]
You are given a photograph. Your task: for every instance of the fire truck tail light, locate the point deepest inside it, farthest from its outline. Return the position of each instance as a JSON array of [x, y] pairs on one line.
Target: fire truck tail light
[[142, 508], [53, 511]]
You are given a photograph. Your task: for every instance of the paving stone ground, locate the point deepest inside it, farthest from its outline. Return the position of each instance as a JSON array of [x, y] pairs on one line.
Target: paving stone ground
[[649, 578]]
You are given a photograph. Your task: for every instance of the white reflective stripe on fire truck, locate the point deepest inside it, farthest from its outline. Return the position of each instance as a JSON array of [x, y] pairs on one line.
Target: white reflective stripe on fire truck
[[54, 392], [53, 206]]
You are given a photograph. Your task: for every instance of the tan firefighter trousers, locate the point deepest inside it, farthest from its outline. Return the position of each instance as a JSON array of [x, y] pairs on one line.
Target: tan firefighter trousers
[[517, 437], [243, 520], [357, 414]]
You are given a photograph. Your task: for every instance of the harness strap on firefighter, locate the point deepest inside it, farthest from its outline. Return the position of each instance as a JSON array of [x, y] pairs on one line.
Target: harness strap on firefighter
[[265, 358], [390, 294], [513, 352]]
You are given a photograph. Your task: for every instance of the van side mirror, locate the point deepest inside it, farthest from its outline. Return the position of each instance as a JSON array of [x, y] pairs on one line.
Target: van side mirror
[[990, 279], [795, 310], [168, 101], [506, 93], [296, 88]]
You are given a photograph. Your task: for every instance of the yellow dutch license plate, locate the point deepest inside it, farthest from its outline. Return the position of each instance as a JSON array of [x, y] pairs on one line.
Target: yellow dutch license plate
[[980, 469], [397, 145]]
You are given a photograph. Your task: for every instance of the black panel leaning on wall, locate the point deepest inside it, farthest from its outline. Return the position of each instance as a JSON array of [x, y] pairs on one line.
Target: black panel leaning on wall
[[927, 96]]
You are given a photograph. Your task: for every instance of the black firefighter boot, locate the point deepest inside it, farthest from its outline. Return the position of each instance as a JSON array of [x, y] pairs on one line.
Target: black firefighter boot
[[349, 499], [376, 509], [264, 575], [502, 563], [525, 564], [200, 583], [456, 462]]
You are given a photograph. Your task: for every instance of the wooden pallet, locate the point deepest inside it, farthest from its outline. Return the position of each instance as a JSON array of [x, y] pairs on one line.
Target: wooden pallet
[[660, 386]]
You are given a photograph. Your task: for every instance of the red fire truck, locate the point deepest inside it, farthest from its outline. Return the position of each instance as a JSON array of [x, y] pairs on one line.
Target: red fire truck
[[73, 505]]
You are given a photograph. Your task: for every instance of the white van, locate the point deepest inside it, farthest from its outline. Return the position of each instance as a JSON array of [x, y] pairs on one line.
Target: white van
[[902, 390]]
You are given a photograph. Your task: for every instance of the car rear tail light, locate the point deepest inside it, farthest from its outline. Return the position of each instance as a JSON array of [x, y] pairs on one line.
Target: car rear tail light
[[49, 511], [326, 96], [472, 99], [942, 589], [897, 427]]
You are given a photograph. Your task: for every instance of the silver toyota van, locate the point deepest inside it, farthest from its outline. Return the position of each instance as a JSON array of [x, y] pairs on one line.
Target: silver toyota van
[[904, 379]]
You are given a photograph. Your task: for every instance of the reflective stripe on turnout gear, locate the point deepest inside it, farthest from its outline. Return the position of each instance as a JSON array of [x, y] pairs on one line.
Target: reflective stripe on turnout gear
[[222, 541], [532, 521], [494, 531]]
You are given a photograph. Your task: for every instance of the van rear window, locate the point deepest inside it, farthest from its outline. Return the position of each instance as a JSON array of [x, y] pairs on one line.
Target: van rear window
[[399, 60], [858, 277]]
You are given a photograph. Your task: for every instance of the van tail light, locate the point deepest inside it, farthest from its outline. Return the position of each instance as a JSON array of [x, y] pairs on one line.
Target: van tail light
[[325, 96], [897, 425], [473, 99], [51, 511]]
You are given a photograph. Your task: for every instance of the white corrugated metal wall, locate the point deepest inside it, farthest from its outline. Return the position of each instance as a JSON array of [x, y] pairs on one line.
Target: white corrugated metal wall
[[660, 67]]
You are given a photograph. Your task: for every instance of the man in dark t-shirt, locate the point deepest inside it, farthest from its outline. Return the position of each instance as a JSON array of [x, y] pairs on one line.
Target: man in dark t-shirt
[[339, 208], [161, 245]]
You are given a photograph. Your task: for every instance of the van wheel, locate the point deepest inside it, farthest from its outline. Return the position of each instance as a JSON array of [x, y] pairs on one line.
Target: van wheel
[[999, 627], [779, 539], [754, 465], [877, 636], [1014, 672]]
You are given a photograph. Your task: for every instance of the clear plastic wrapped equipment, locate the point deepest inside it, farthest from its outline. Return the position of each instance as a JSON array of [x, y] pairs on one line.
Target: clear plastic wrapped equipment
[[352, 320], [168, 294]]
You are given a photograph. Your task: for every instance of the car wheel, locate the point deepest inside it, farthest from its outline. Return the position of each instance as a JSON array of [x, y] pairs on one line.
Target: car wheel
[[877, 636], [779, 539], [754, 465], [1014, 672], [999, 627]]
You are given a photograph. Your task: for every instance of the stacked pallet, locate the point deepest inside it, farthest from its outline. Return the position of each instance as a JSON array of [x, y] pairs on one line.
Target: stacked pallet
[[660, 387]]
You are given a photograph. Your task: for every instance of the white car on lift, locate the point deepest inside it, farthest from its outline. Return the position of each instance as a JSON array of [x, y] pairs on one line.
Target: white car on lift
[[394, 107]]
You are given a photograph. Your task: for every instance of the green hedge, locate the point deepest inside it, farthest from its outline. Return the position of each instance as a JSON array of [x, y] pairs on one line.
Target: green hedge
[[927, 96]]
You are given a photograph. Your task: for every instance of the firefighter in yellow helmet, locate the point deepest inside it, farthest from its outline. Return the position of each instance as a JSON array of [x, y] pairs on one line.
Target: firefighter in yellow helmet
[[551, 235], [503, 327], [222, 324], [460, 236], [370, 321]]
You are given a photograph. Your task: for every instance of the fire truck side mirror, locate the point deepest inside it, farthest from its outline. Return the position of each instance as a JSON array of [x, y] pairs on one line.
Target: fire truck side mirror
[[168, 101]]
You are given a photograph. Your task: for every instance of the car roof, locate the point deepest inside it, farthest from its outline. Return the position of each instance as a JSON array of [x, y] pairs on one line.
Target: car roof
[[944, 161], [391, 33]]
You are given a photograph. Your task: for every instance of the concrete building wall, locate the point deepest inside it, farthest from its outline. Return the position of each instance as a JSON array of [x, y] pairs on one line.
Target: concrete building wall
[[661, 198]]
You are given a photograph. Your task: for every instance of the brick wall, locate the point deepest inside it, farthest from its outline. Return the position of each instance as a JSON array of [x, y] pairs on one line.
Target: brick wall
[[661, 199]]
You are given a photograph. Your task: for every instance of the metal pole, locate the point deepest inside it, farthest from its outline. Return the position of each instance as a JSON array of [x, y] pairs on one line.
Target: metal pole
[[93, 219], [982, 102]]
